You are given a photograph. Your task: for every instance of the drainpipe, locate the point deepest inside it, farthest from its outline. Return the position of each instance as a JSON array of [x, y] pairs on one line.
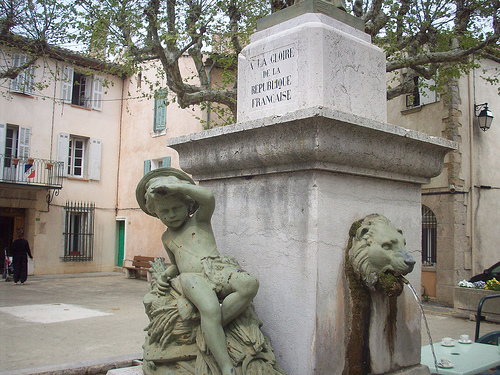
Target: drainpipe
[[119, 146], [53, 115], [471, 102]]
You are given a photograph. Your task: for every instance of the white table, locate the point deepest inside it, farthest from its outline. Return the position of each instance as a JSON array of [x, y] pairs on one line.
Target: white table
[[467, 359]]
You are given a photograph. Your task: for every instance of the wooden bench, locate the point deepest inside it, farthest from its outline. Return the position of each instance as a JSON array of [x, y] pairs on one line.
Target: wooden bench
[[140, 265]]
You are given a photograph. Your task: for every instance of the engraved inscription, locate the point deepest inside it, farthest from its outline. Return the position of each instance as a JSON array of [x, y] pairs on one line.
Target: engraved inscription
[[275, 75]]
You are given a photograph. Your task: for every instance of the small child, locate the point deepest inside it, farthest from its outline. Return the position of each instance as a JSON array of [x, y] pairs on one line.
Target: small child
[[206, 276]]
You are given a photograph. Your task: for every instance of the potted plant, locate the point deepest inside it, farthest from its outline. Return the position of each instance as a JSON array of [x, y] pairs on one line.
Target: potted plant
[[49, 165], [31, 161], [15, 161]]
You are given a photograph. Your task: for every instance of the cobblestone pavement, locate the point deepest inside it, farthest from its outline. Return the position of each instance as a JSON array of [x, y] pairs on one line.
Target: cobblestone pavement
[[61, 319]]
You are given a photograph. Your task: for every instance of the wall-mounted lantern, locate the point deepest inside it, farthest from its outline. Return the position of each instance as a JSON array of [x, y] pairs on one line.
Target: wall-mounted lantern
[[484, 117]]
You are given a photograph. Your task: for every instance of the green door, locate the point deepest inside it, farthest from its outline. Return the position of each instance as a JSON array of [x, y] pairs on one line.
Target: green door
[[121, 243]]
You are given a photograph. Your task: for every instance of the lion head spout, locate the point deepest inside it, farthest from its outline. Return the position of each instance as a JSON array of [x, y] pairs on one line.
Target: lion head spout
[[378, 255]]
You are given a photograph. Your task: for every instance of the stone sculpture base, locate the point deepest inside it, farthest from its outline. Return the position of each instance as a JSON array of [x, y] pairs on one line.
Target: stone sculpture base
[[175, 344], [287, 191]]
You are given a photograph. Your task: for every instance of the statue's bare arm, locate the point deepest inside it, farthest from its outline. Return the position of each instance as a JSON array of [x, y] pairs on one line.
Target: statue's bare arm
[[203, 196], [172, 270]]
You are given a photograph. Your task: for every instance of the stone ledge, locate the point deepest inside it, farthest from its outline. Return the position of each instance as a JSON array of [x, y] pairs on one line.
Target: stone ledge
[[467, 300], [315, 138]]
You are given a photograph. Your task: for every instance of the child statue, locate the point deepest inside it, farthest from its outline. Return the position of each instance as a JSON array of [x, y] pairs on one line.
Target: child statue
[[215, 284]]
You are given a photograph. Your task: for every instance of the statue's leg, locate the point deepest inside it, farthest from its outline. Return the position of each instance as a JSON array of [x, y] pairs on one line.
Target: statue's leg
[[244, 287], [200, 293]]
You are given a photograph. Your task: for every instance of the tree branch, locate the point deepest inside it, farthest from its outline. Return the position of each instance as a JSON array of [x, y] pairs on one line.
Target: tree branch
[[405, 87], [234, 18], [440, 57], [12, 73]]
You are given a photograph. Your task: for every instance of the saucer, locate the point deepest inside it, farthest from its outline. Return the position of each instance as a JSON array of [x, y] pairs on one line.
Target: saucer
[[445, 366], [465, 341], [443, 344]]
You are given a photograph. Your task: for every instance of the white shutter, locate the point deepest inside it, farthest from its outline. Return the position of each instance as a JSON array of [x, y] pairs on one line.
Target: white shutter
[[95, 159], [16, 84], [67, 84], [97, 93], [23, 142], [23, 151], [24, 82], [3, 134], [3, 131], [88, 91], [63, 151], [29, 87], [427, 95]]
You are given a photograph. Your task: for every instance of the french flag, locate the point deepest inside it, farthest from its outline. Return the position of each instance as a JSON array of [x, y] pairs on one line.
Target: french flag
[[29, 170]]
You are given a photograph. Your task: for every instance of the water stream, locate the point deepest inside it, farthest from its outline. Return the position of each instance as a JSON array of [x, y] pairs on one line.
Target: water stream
[[415, 294]]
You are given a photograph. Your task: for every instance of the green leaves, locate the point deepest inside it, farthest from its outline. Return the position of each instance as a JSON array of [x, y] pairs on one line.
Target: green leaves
[[193, 39]]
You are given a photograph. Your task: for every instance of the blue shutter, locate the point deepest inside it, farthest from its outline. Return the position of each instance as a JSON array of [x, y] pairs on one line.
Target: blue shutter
[[147, 166], [160, 115], [166, 161]]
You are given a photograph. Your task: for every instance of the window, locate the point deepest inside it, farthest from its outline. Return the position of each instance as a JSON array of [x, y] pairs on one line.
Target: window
[[422, 95], [78, 231], [76, 156], [150, 165], [23, 83], [14, 143], [82, 89], [81, 156], [160, 115], [429, 237]]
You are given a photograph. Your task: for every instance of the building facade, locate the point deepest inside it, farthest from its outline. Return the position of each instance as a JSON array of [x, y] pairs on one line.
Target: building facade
[[459, 207], [59, 147]]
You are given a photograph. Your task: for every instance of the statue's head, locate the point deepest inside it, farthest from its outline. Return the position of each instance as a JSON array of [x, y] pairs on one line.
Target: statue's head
[[154, 187], [379, 257]]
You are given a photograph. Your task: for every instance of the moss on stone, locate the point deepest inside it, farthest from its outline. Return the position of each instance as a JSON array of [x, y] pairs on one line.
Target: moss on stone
[[389, 284]]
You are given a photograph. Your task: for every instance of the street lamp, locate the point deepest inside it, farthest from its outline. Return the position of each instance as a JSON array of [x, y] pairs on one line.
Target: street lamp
[[484, 117]]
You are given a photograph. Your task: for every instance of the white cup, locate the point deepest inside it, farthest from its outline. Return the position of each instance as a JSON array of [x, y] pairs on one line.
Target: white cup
[[464, 338], [447, 341], [445, 362]]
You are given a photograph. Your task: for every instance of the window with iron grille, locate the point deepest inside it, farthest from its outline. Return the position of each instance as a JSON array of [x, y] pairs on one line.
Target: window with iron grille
[[429, 236], [79, 231]]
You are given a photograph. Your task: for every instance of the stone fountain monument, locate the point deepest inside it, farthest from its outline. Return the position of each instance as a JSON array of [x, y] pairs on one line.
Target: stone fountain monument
[[310, 155]]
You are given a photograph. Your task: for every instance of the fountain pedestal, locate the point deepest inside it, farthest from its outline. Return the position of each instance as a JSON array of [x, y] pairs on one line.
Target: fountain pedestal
[[293, 175]]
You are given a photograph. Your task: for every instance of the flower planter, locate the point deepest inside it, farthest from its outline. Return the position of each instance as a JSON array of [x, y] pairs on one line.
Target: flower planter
[[31, 161], [467, 300], [15, 161], [49, 166]]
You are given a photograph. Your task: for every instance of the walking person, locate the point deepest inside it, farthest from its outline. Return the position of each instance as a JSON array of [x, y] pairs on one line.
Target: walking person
[[20, 253]]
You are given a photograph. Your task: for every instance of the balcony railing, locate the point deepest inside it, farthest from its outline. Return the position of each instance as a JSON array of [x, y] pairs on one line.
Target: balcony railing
[[31, 171]]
